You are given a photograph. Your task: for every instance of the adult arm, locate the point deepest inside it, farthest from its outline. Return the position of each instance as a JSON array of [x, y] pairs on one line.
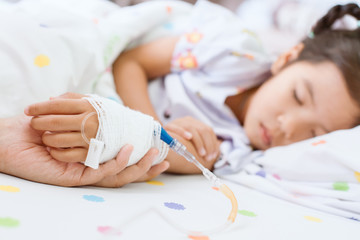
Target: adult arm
[[22, 154]]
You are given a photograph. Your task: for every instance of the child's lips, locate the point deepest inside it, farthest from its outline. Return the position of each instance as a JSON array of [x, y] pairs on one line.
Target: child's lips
[[265, 135]]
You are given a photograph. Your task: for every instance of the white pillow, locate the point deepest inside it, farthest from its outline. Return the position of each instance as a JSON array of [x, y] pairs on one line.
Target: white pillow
[[322, 173]]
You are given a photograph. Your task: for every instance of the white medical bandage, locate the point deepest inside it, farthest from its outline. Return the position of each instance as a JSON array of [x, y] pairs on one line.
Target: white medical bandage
[[120, 125]]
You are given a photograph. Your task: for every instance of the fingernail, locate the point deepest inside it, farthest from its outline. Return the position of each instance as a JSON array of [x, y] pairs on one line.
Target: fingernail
[[211, 156], [188, 135], [202, 152], [127, 147], [167, 165], [26, 110], [155, 155]]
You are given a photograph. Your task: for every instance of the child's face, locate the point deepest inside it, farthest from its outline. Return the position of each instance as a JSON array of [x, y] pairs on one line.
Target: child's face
[[301, 101]]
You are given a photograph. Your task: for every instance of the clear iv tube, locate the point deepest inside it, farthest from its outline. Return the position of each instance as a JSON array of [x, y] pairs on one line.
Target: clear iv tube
[[180, 149]]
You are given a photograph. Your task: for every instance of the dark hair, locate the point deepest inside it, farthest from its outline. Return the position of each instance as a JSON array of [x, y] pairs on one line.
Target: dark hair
[[341, 47]]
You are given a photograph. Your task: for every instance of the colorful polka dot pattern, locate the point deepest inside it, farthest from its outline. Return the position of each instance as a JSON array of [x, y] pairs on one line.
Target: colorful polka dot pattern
[[42, 61], [9, 188], [168, 26], [185, 61], [198, 237], [313, 219], [169, 9], [341, 186], [194, 37], [157, 183], [276, 176], [93, 198], [246, 213], [357, 176], [261, 173], [318, 143], [175, 206], [9, 222], [107, 230]]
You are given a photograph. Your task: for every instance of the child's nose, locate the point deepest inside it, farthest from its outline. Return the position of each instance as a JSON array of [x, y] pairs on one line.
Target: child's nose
[[284, 126]]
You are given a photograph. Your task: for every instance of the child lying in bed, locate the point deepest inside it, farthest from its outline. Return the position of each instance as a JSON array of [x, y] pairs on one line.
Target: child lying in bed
[[219, 93]]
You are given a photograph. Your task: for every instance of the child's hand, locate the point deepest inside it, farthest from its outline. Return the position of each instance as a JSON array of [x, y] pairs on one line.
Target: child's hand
[[60, 118], [202, 135]]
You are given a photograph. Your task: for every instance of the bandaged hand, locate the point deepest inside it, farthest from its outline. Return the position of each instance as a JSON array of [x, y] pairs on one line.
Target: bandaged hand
[[93, 129], [201, 135]]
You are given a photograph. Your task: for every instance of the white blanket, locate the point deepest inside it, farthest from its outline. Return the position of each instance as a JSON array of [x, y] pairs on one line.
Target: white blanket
[[50, 47]]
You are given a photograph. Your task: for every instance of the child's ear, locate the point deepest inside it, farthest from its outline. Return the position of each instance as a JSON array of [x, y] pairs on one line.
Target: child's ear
[[286, 57]]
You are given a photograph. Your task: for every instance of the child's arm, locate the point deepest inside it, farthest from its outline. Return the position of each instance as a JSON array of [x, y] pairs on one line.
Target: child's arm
[[133, 69]]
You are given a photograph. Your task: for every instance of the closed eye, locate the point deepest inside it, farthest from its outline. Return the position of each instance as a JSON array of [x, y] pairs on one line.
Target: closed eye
[[296, 97]]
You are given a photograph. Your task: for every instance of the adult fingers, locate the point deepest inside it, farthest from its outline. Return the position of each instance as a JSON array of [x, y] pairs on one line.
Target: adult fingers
[[58, 106], [64, 140], [69, 154], [108, 170], [131, 173], [154, 171]]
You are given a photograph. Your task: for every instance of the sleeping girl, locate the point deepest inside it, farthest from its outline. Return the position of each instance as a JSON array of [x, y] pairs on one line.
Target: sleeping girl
[[216, 90]]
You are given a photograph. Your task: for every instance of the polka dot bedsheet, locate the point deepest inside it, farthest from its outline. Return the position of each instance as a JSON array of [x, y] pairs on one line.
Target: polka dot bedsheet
[[156, 210]]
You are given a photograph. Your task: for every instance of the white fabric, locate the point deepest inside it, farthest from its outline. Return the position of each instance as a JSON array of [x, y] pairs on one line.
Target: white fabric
[[281, 24], [137, 211], [120, 125], [216, 57], [49, 47], [321, 173]]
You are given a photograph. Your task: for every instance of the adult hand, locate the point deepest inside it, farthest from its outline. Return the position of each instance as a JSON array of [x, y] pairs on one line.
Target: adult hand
[[23, 154]]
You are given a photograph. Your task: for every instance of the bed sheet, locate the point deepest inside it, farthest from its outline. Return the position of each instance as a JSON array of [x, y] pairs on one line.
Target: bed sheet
[[32, 210]]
